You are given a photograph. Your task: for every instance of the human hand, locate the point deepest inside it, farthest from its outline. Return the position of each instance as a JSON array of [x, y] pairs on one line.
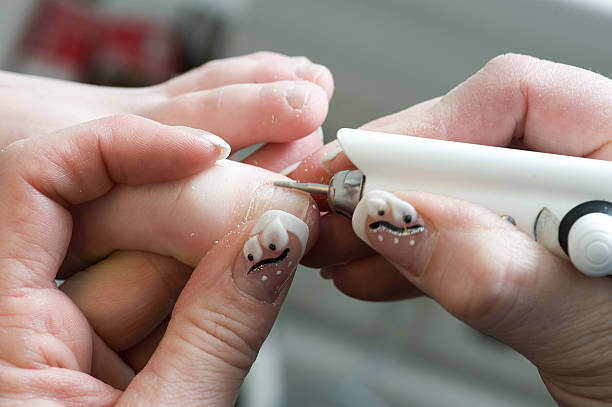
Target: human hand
[[52, 352], [261, 97], [476, 265]]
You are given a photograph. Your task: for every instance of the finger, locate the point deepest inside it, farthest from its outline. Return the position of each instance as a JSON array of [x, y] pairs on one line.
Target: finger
[[247, 114], [372, 279], [517, 96], [126, 296], [260, 67], [224, 313], [483, 270], [283, 157], [514, 97], [337, 243], [182, 219], [40, 177], [138, 355], [108, 367]]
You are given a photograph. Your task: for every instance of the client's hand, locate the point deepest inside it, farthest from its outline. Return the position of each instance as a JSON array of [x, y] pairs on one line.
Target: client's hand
[[63, 346]]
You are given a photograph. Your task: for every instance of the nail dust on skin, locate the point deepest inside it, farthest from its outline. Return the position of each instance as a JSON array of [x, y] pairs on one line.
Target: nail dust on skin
[[269, 257], [394, 229]]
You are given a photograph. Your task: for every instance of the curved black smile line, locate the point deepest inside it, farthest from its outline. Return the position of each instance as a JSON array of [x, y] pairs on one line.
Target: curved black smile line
[[278, 259], [385, 226]]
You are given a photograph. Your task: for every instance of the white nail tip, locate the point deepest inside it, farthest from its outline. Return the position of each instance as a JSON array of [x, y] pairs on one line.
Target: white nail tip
[[290, 168], [329, 157], [372, 203], [222, 146], [273, 227]]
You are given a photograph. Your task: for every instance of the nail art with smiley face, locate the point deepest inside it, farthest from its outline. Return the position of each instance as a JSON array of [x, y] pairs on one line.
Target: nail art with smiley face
[[393, 228], [270, 256]]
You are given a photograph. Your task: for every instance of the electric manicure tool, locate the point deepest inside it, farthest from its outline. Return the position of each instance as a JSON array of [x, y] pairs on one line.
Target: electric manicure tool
[[564, 202]]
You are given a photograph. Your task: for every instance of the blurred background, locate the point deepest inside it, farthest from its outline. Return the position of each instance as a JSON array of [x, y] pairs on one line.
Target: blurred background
[[328, 350]]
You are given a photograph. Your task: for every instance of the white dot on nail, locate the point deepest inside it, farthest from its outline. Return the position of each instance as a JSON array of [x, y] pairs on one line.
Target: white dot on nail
[[395, 240], [278, 272], [380, 238], [290, 263], [192, 234], [412, 243], [264, 278]]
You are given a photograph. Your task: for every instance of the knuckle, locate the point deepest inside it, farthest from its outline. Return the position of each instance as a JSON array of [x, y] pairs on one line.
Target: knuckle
[[497, 280], [509, 68], [123, 120], [220, 337]]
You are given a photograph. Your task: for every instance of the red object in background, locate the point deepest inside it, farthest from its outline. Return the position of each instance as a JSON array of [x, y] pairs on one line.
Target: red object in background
[[79, 42]]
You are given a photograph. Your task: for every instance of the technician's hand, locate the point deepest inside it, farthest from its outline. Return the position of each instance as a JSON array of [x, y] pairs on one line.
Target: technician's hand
[[52, 347], [261, 97], [476, 265]]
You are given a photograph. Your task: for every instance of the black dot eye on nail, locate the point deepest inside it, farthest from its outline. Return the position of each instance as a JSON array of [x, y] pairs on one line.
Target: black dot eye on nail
[[407, 218], [250, 257], [381, 212], [272, 246]]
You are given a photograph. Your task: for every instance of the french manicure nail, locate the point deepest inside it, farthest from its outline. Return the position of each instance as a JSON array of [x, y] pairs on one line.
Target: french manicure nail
[[297, 95], [221, 145], [393, 228], [290, 168], [270, 256]]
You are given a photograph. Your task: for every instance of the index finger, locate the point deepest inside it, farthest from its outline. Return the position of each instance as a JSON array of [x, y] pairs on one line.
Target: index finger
[[513, 99], [550, 107]]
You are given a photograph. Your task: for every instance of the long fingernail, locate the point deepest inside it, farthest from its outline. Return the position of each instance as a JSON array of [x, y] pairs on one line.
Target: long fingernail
[[393, 228], [221, 145], [223, 148], [297, 95], [270, 256]]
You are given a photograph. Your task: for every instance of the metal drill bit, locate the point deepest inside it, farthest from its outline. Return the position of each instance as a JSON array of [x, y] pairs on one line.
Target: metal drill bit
[[310, 187]]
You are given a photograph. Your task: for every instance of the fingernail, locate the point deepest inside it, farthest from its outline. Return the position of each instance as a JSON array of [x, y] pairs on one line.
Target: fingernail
[[223, 148], [290, 168], [309, 71], [329, 157], [275, 245], [221, 145], [297, 95], [393, 228]]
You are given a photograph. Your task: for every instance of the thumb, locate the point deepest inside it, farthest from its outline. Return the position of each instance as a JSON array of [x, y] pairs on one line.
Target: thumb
[[487, 273], [224, 314]]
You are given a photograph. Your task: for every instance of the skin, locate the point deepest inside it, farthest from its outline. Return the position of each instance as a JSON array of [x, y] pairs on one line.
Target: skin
[[82, 344], [106, 322], [480, 268]]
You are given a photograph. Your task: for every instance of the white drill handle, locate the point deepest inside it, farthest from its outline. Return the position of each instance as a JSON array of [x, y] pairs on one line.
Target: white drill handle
[[507, 181]]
